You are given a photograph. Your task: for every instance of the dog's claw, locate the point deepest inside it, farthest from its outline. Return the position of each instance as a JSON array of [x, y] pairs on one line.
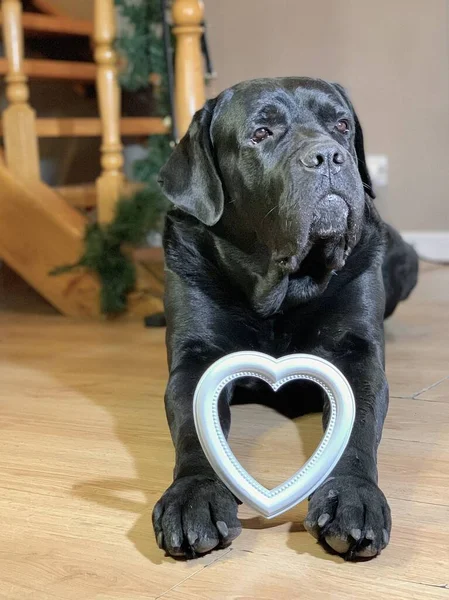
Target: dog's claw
[[323, 519], [192, 537], [223, 529]]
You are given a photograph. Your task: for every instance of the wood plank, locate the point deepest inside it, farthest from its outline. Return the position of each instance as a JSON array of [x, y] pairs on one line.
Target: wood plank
[[18, 117], [48, 7], [85, 453], [149, 256], [85, 195], [39, 231], [36, 23], [80, 196], [420, 323], [53, 127], [250, 576], [439, 392], [62, 70]]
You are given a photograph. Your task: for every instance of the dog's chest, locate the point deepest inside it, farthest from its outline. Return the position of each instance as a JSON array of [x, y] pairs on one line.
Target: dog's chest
[[280, 335], [272, 338], [276, 337]]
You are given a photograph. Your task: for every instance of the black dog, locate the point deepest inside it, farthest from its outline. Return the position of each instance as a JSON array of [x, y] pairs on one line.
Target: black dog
[[275, 245]]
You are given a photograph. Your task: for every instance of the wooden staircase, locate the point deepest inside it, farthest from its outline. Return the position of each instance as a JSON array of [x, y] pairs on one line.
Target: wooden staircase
[[41, 228]]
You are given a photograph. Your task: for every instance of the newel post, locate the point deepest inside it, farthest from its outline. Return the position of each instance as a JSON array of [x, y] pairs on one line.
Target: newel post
[[110, 183], [19, 119], [189, 72]]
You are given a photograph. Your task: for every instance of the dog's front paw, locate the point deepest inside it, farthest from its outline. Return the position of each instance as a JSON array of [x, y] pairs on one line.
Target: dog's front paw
[[195, 515], [350, 515]]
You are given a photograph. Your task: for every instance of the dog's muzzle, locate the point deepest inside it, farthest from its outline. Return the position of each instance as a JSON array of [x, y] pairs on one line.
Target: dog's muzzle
[[330, 218]]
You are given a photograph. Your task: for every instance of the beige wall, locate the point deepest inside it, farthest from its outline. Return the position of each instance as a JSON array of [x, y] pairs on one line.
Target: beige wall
[[392, 55]]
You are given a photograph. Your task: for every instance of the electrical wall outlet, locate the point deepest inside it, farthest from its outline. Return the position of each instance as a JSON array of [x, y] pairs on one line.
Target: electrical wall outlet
[[378, 169]]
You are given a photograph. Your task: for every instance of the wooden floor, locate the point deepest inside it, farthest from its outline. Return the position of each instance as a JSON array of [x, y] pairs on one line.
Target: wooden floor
[[85, 453]]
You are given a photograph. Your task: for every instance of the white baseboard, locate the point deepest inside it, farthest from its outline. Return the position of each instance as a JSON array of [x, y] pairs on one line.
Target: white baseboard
[[430, 245]]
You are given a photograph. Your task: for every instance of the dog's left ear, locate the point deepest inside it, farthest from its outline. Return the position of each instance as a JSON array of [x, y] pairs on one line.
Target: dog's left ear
[[189, 178], [359, 145]]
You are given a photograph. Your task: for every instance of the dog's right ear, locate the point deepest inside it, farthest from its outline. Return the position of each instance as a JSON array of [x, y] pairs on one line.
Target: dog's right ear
[[189, 178], [359, 145]]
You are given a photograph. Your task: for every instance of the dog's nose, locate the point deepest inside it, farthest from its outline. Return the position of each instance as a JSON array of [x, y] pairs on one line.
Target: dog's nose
[[322, 156]]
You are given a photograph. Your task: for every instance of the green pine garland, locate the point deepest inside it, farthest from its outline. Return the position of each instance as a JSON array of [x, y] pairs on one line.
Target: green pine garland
[[104, 246], [159, 149], [140, 44]]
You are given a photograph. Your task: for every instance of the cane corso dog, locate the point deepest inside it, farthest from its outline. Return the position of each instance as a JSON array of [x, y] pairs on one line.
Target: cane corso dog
[[274, 244]]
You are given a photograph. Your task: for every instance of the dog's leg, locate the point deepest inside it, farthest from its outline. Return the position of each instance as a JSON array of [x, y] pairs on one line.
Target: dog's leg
[[400, 270], [197, 513], [349, 513]]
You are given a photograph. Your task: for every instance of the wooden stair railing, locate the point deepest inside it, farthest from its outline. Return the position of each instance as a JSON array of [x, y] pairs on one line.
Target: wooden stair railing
[[85, 195], [39, 229], [52, 23], [189, 70], [56, 25], [61, 70], [21, 149], [55, 127], [48, 7], [187, 16], [75, 72], [110, 182]]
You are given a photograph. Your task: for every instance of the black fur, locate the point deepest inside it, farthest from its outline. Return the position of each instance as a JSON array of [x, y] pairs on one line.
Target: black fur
[[277, 246]]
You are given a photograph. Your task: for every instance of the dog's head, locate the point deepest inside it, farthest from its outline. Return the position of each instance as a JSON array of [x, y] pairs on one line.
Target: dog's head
[[286, 158]]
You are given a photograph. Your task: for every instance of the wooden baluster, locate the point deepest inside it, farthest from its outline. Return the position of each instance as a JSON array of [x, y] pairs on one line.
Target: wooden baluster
[[110, 182], [189, 72], [19, 119]]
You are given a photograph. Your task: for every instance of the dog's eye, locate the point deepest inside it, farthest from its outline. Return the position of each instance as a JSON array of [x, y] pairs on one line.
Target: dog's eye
[[342, 126], [260, 135]]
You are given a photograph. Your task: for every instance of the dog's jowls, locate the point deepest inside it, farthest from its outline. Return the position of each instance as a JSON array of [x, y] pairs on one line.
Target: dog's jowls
[[274, 244]]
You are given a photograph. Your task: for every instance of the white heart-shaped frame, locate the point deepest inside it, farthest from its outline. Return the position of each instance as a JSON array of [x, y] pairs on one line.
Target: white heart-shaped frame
[[275, 372]]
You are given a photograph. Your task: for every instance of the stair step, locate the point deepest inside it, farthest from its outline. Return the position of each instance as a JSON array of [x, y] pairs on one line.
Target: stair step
[[62, 70], [85, 195], [40, 231], [36, 23], [48, 7], [148, 256], [53, 127]]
